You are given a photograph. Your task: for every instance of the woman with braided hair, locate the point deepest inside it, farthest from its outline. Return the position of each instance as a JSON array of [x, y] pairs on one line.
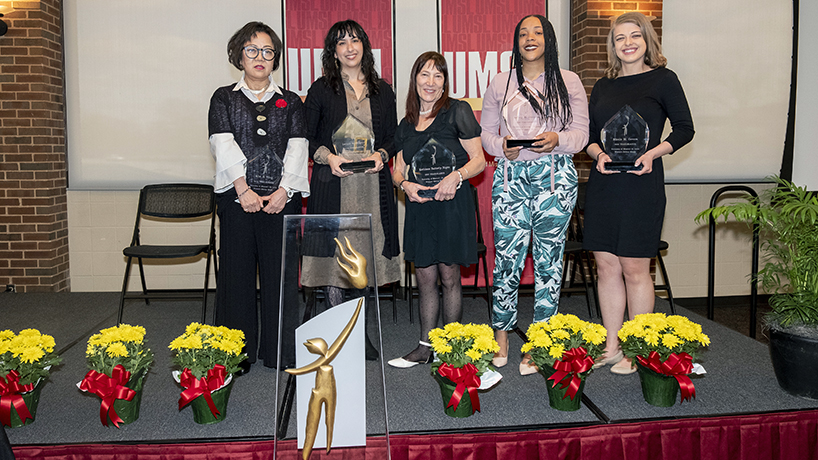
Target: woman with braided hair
[[535, 185]]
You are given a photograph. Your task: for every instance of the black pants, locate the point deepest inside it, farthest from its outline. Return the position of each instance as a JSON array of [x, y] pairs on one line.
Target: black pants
[[251, 243], [5, 447]]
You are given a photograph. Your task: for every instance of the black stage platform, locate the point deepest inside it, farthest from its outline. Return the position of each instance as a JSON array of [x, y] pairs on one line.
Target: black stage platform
[[739, 380]]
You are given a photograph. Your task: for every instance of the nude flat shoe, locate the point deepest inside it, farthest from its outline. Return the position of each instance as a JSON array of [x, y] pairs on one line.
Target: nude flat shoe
[[623, 367], [526, 368], [609, 360], [499, 360]]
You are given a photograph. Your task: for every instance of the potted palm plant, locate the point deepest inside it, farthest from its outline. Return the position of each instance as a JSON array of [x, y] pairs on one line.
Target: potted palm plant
[[788, 217]]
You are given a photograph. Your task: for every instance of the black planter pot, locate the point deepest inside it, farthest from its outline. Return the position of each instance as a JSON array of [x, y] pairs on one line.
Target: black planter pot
[[795, 361]]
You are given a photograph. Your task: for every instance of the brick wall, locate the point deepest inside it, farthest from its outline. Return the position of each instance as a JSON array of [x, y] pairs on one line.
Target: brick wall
[[33, 212], [590, 23]]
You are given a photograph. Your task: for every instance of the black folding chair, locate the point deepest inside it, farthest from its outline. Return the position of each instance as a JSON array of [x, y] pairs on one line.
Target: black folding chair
[[171, 202]]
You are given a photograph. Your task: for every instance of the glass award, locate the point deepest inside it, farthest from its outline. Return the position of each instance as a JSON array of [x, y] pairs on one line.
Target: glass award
[[430, 165], [354, 140], [522, 122], [358, 416], [625, 138], [264, 170]]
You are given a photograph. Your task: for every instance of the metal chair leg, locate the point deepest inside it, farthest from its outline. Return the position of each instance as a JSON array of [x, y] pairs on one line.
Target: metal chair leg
[[124, 289]]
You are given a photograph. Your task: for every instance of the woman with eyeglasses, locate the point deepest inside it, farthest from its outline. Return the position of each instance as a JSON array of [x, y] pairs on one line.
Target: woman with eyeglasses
[[258, 139], [351, 94], [535, 184]]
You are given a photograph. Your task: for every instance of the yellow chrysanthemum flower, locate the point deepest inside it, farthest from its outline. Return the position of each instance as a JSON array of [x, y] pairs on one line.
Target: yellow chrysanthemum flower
[[670, 340], [30, 354], [117, 349], [556, 350], [561, 334], [473, 354]]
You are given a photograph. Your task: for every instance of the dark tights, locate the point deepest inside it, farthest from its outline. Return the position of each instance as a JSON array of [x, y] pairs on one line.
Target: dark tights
[[430, 302], [335, 295]]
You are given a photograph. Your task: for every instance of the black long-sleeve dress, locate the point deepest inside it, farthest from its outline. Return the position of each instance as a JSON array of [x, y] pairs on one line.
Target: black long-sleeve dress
[[624, 212]]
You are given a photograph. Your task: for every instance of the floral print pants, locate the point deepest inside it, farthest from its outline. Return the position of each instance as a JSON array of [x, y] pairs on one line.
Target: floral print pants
[[529, 208]]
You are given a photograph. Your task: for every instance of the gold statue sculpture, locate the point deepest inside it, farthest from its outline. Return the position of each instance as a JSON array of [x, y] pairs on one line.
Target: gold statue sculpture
[[324, 393], [356, 271]]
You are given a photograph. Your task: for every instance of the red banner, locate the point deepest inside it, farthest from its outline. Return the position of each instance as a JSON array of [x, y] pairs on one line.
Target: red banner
[[476, 38], [307, 23]]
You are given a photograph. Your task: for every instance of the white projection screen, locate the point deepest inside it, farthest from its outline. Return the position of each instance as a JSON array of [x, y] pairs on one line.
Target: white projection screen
[[734, 59], [139, 76], [805, 160]]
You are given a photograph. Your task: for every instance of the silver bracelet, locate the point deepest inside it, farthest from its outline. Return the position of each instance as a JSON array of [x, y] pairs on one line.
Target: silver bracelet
[[461, 179]]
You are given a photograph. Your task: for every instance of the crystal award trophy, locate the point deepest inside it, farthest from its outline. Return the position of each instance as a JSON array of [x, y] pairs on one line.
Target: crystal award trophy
[[522, 122], [354, 141], [264, 170], [625, 138], [430, 165]]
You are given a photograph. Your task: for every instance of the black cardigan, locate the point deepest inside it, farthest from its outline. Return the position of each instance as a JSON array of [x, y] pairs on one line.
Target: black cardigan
[[325, 111]]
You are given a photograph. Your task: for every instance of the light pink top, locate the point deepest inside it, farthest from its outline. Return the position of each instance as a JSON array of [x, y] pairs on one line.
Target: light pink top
[[519, 114]]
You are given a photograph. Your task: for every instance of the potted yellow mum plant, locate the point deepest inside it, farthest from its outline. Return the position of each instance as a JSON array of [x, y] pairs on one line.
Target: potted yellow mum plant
[[208, 357], [664, 349], [463, 353], [25, 361], [119, 360], [564, 349]]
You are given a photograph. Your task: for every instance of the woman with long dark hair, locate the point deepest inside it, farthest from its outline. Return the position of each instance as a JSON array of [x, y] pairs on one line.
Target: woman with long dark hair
[[624, 211], [350, 91], [535, 186], [440, 231]]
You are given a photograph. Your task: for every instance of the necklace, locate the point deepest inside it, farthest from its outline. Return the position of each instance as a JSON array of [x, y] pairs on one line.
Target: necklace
[[425, 112], [259, 91]]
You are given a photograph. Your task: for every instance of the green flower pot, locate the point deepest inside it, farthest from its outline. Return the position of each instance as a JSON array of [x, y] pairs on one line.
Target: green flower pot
[[658, 389], [447, 387], [128, 411], [201, 411], [556, 395], [31, 399]]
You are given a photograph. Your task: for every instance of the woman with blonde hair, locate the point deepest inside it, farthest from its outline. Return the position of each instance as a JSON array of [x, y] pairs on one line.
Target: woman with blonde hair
[[624, 210]]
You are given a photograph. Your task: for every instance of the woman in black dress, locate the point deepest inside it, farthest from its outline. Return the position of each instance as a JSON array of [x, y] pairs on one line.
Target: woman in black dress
[[624, 211], [439, 233], [258, 139]]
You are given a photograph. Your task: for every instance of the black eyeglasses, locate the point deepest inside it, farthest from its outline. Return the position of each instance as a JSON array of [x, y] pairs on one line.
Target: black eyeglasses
[[266, 53]]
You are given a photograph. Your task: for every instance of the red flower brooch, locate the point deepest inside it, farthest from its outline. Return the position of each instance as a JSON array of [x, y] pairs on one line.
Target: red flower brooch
[[281, 103]]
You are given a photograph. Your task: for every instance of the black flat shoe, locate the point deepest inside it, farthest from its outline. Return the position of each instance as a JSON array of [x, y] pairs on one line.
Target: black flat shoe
[[371, 353], [244, 368]]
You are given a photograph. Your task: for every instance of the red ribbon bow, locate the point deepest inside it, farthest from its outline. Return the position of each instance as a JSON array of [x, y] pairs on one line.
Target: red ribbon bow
[[574, 361], [677, 365], [203, 386], [466, 379], [10, 390], [109, 389]]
